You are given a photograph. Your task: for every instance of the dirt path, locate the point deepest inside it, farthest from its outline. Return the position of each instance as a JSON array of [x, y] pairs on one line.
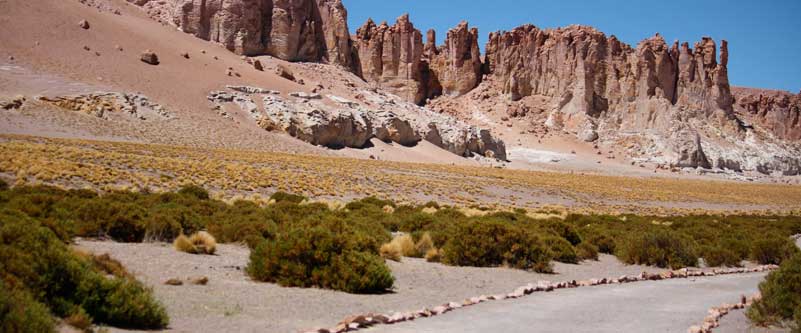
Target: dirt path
[[656, 306]]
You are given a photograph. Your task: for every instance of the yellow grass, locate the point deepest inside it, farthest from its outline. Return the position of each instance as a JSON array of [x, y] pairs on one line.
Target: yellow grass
[[199, 243], [229, 173], [424, 244], [391, 251]]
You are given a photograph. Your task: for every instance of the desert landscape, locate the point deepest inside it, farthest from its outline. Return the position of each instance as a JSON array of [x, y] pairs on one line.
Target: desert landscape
[[265, 166]]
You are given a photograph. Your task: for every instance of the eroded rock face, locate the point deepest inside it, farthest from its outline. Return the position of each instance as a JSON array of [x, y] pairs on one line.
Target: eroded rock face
[[777, 112], [457, 65], [391, 57], [105, 104], [293, 30]]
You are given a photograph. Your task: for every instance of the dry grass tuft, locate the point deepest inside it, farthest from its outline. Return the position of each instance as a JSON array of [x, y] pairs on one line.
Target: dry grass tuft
[[388, 209], [174, 282], [391, 251], [406, 244], [430, 210], [199, 243], [433, 255], [424, 245], [201, 281]]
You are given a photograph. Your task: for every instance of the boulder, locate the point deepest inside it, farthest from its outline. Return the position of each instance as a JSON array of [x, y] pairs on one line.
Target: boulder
[[83, 24], [149, 57]]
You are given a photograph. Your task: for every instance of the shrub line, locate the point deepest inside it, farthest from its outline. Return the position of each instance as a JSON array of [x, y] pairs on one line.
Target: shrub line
[[357, 322]]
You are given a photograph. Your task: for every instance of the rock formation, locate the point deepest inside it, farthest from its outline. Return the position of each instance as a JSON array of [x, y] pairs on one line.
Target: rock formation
[[456, 66], [391, 56], [777, 112], [293, 30]]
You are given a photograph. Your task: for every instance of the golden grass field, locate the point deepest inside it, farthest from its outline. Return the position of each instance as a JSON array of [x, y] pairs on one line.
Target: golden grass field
[[242, 174]]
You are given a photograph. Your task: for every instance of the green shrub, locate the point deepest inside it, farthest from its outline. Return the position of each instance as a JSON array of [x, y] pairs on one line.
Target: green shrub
[[194, 191], [718, 257], [561, 250], [286, 197], [662, 248], [604, 243], [587, 251], [781, 295], [488, 243], [35, 260], [19, 312], [319, 257], [772, 250]]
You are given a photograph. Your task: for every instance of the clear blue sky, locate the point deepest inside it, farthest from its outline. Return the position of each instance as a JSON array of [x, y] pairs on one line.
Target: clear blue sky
[[764, 36]]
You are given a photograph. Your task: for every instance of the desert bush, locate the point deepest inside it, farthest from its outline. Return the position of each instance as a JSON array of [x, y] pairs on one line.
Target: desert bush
[[781, 295], [286, 197], [604, 243], [319, 256], [662, 248], [194, 191], [434, 255], [587, 251], [35, 260], [488, 243], [717, 257], [20, 313], [560, 249], [79, 319], [772, 250]]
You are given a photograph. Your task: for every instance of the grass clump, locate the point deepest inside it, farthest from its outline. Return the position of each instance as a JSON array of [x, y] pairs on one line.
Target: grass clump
[[433, 255], [423, 245], [781, 297], [391, 251], [199, 243]]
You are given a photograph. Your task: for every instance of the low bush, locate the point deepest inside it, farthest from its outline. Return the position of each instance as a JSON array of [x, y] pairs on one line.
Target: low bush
[[488, 243], [561, 250], [319, 256], [717, 257], [587, 251], [35, 261], [781, 296], [19, 312], [772, 250], [433, 255], [662, 248], [286, 197], [423, 245]]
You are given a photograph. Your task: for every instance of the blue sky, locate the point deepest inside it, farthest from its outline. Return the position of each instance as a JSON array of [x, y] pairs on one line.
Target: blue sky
[[764, 36]]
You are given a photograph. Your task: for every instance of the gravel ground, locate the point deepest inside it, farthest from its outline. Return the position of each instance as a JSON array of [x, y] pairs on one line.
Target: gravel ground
[[232, 302]]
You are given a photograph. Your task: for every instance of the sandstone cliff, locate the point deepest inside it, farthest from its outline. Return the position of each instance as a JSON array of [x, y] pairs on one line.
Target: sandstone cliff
[[456, 66], [294, 30], [776, 112]]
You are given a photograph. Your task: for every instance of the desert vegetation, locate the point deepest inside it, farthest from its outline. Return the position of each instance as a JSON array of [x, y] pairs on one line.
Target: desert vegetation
[[239, 174], [295, 241], [781, 297]]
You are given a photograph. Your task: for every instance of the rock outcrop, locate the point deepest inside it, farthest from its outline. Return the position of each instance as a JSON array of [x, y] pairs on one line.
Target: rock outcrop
[[391, 56], [776, 112], [457, 65], [293, 30], [105, 104]]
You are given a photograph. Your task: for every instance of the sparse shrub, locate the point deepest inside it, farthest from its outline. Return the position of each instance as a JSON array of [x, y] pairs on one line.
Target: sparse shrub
[[781, 295], [587, 251], [391, 251], [488, 243], [772, 250], [286, 197], [604, 243], [662, 248], [423, 245], [434, 255]]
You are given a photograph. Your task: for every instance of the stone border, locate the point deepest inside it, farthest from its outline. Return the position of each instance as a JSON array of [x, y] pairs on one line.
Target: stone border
[[713, 319], [357, 322]]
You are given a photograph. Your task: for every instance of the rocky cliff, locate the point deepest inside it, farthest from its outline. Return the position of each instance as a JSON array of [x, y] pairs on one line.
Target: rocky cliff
[[294, 30], [776, 112]]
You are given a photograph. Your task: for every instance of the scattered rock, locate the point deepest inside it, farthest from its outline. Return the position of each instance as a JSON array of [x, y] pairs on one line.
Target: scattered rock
[[174, 282], [201, 281], [257, 65], [185, 55], [83, 24], [149, 57], [284, 73]]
